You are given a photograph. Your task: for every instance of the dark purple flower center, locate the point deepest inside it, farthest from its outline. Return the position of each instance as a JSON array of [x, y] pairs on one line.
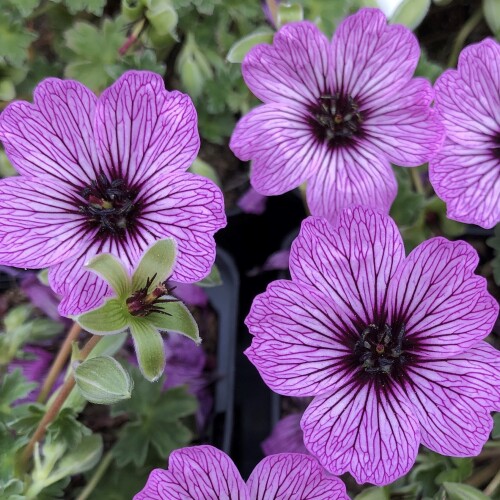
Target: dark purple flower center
[[496, 147], [336, 119], [379, 349], [111, 206], [143, 302]]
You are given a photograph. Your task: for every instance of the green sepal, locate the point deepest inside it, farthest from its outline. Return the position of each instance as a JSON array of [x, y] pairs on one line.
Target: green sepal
[[102, 380], [108, 319], [149, 348], [213, 278], [162, 16], [109, 268], [411, 13], [179, 320], [159, 260], [289, 13], [459, 491], [241, 48], [204, 169]]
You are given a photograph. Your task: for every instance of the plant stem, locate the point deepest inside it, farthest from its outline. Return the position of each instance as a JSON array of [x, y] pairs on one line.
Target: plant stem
[[53, 411], [466, 30], [59, 362], [273, 10], [96, 477], [417, 181], [493, 485], [132, 38]]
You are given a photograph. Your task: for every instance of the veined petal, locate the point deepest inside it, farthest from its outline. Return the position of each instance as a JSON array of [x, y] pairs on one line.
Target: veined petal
[[301, 339], [294, 69], [293, 475], [353, 175], [351, 263], [190, 209], [108, 319], [445, 307], [367, 430], [404, 128], [53, 136], [468, 180], [143, 129], [370, 57], [40, 225], [201, 472], [453, 398], [149, 348], [280, 142]]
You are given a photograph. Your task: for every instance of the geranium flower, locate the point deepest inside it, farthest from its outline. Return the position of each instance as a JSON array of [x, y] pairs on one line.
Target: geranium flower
[[286, 437], [466, 172], [101, 175], [206, 473], [390, 347], [335, 114]]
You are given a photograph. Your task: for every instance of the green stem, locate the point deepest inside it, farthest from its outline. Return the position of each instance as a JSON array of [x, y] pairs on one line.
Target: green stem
[[96, 477], [417, 181], [466, 30], [493, 485]]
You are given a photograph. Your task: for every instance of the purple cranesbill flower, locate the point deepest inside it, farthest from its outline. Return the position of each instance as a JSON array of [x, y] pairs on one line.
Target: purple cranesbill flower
[[206, 473], [466, 172], [335, 114], [286, 437], [389, 346], [104, 175], [252, 202]]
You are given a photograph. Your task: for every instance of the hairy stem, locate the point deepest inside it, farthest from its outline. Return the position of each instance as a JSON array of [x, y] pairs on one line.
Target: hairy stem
[[466, 30], [96, 477], [59, 362], [53, 411]]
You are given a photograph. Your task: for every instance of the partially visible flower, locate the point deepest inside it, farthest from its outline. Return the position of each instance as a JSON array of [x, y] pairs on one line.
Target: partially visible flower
[[185, 365], [252, 202], [190, 293], [286, 437], [143, 303], [466, 172], [34, 365], [104, 175], [206, 473], [336, 114], [389, 346], [40, 295]]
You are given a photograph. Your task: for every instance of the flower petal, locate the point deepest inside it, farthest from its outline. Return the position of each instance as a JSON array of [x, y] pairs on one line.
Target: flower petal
[[404, 128], [293, 475], [453, 398], [190, 209], [280, 142], [40, 225], [352, 263], [468, 180], [292, 70], [286, 437], [300, 339], [467, 99], [142, 128], [353, 175], [201, 472], [53, 136], [445, 307], [372, 59], [367, 430]]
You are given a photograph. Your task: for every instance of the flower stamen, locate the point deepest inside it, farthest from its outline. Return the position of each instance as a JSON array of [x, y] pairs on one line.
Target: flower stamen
[[143, 302]]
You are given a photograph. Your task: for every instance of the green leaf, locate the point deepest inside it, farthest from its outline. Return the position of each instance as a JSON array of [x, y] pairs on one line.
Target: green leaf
[[93, 51], [108, 319], [15, 40], [494, 243], [495, 433], [202, 168], [213, 278], [92, 6], [241, 48], [411, 13], [178, 319], [149, 348], [289, 13], [461, 471], [457, 491], [491, 9], [14, 386], [109, 268], [158, 261], [66, 429], [24, 7], [102, 380], [374, 494]]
